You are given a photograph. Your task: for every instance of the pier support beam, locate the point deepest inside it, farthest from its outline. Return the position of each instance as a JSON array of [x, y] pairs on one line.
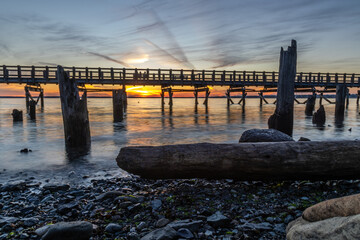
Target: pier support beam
[[162, 94], [196, 97], [283, 117], [74, 112], [118, 105], [170, 96], [32, 109], [228, 97], [357, 98], [341, 91], [310, 105], [124, 98], [207, 94]]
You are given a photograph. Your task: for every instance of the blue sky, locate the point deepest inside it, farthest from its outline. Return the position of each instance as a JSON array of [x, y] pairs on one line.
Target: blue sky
[[239, 35]]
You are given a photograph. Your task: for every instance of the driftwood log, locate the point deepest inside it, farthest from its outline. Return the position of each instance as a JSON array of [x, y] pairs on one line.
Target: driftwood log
[[308, 160], [74, 112], [283, 117]]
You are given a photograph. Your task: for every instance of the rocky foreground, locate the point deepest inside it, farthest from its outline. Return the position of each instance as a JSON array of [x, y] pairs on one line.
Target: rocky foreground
[[135, 208]]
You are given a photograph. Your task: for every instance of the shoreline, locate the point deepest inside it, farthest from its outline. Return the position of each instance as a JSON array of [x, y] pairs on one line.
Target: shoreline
[[244, 209]]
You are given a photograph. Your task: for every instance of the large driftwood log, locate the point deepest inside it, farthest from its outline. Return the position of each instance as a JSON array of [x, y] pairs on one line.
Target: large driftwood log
[[74, 111], [245, 161], [283, 117]]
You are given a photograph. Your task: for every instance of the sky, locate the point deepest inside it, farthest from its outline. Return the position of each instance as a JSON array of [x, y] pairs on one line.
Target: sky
[[199, 34]]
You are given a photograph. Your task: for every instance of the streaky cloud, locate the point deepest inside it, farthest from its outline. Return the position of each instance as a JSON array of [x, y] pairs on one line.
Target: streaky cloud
[[110, 59]]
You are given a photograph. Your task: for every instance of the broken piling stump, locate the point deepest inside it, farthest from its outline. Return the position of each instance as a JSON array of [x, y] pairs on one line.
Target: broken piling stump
[[74, 111], [17, 115], [283, 117], [118, 106], [310, 105], [319, 117], [32, 109]]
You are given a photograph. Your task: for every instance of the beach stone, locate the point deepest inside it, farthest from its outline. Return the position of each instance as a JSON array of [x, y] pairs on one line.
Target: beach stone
[[53, 187], [13, 186], [187, 223], [162, 222], [29, 222], [113, 228], [4, 220], [111, 194], [68, 207], [264, 135], [79, 230], [156, 204], [303, 139], [185, 233], [166, 233], [218, 220], [330, 229], [337, 207]]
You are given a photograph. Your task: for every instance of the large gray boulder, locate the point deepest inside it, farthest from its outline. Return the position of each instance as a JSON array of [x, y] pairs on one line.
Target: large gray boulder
[[79, 230], [264, 135], [331, 229], [165, 233]]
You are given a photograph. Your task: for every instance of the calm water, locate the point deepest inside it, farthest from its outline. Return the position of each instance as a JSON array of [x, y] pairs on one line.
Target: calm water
[[145, 124]]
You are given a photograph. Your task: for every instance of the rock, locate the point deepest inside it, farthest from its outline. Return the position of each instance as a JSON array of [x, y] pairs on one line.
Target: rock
[[338, 207], [319, 117], [185, 233], [156, 204], [191, 225], [13, 186], [5, 220], [162, 222], [330, 229], [17, 115], [264, 135], [166, 233], [25, 150], [111, 194], [29, 222], [80, 230], [218, 220], [53, 187], [141, 226], [68, 207], [113, 228], [256, 226], [302, 139]]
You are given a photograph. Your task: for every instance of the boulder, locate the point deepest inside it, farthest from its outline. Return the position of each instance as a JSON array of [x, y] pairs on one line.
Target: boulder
[[187, 223], [319, 117], [218, 220], [113, 228], [337, 207], [330, 229], [264, 135], [165, 233], [79, 230]]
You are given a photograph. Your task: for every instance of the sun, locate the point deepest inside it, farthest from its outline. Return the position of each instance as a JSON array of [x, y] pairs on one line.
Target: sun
[[141, 59]]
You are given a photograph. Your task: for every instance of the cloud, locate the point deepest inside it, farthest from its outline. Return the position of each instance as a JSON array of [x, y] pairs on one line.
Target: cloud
[[110, 59]]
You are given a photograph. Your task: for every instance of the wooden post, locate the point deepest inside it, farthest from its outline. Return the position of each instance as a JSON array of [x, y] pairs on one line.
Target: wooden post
[[162, 94], [283, 117], [321, 98], [118, 108], [32, 111], [357, 99], [74, 112], [261, 98], [27, 97], [17, 115], [196, 96], [310, 105], [347, 98], [124, 98], [207, 93], [340, 104], [170, 96], [42, 98]]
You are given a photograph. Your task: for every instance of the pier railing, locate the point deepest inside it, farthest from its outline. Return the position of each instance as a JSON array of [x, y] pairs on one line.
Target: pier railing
[[134, 76]]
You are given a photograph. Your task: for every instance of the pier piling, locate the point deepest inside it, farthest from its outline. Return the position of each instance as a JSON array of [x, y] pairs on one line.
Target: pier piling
[[74, 111], [118, 105], [310, 105], [32, 109], [283, 117], [341, 91]]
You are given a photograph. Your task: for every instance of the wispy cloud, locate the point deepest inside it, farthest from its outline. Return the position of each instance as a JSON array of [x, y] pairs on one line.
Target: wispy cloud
[[109, 59]]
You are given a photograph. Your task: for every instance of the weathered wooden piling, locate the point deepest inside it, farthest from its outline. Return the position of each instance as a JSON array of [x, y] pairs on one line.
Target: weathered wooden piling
[[32, 109], [310, 105], [228, 97], [207, 94], [170, 96], [357, 98], [196, 94], [17, 115], [41, 96], [118, 105], [341, 91], [283, 117], [27, 99], [124, 98], [74, 111], [347, 97]]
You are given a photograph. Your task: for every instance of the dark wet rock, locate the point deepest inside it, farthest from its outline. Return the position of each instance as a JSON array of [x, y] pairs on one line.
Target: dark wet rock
[[264, 135], [111, 194], [156, 204], [29, 222], [53, 187], [141, 226], [218, 220], [13, 186], [66, 208], [319, 117], [165, 233], [162, 222], [25, 150], [79, 230], [113, 228], [185, 233], [303, 139], [189, 224], [256, 226], [4, 220]]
